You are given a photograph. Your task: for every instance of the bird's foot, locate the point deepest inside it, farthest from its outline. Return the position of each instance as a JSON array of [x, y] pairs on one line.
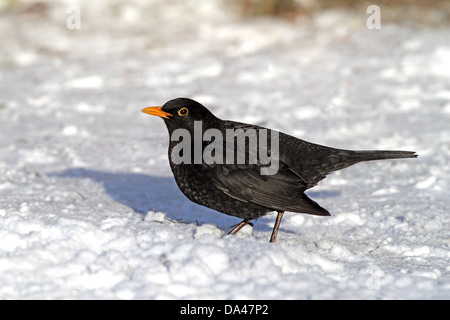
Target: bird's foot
[[273, 237], [239, 226]]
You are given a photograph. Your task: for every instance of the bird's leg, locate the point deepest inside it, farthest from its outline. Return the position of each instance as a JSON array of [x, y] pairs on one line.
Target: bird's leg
[[273, 237], [240, 226]]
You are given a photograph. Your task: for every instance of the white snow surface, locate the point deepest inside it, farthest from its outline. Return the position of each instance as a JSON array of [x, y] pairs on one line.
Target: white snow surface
[[88, 205]]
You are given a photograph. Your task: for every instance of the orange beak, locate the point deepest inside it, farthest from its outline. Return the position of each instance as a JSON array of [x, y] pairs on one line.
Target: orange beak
[[157, 111]]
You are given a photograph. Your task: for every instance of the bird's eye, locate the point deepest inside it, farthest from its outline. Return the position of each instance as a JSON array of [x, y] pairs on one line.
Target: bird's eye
[[183, 111]]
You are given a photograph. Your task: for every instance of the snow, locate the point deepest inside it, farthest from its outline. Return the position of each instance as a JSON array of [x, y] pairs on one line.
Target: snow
[[89, 208]]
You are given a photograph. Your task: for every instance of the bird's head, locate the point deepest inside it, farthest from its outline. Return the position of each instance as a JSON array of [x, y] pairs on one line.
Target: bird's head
[[181, 113]]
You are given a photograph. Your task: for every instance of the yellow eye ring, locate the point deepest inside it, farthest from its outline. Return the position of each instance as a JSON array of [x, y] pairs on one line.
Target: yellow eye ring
[[183, 112]]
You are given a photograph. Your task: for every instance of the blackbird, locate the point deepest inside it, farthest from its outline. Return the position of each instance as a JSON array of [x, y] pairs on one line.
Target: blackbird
[[249, 187]]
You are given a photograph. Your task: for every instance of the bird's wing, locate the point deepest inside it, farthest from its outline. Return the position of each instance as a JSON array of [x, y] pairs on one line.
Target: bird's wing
[[309, 162], [283, 191], [312, 162]]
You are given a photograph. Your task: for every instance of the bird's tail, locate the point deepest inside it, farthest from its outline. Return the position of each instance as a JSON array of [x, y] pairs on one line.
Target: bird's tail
[[357, 156]]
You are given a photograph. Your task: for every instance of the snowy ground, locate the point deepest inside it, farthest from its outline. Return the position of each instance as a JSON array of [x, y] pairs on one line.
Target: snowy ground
[[88, 205]]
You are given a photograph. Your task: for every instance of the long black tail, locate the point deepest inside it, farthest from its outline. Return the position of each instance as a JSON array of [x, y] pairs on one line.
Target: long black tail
[[369, 155]]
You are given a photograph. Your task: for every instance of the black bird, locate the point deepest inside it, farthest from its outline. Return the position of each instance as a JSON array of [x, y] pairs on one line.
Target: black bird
[[242, 188]]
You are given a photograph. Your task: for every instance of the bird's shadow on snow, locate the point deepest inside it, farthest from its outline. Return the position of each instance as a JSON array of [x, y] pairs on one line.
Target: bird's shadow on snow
[[143, 193]]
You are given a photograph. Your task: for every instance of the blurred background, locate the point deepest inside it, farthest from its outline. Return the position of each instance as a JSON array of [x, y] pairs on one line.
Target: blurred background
[[37, 27]]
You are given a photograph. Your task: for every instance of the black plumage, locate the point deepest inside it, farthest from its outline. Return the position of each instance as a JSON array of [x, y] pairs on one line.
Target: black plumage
[[239, 188]]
